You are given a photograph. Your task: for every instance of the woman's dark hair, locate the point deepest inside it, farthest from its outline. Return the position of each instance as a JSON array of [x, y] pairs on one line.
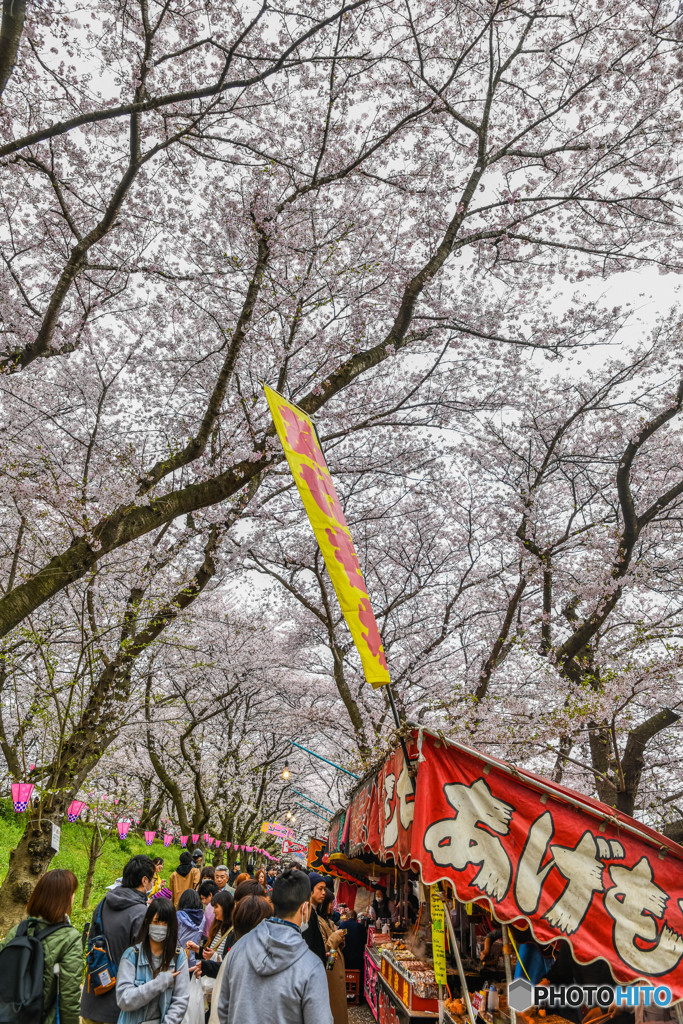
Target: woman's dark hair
[[207, 888], [159, 862], [164, 911], [225, 901], [190, 900], [249, 888], [51, 898], [384, 910], [327, 902], [208, 872], [249, 912]]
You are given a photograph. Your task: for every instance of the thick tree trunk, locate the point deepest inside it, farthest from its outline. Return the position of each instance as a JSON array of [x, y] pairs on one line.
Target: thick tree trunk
[[27, 863], [13, 14]]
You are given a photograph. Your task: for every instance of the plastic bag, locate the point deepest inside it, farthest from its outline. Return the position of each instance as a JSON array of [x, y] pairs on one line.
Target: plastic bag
[[213, 1016], [195, 1007]]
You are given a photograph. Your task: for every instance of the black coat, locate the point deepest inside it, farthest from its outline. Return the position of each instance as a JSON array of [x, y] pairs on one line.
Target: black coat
[[313, 937]]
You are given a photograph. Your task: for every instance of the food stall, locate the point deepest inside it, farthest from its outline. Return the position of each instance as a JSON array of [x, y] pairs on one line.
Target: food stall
[[474, 832]]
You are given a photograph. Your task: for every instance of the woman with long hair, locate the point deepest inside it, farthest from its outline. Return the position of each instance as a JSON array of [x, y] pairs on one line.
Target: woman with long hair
[[47, 912], [261, 877], [336, 976], [220, 936], [153, 982], [248, 913]]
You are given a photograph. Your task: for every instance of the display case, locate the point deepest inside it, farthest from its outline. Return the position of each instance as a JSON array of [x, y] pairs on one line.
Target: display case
[[411, 978], [372, 980]]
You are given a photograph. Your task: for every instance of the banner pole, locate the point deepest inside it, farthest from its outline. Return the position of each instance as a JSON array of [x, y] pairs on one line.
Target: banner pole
[[399, 726], [508, 968], [458, 961]]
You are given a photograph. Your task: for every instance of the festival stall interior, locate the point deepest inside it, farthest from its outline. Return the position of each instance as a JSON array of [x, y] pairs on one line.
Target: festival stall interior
[[471, 874]]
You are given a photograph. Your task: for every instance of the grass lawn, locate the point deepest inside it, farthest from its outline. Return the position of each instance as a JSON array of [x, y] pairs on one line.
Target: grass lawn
[[73, 854]]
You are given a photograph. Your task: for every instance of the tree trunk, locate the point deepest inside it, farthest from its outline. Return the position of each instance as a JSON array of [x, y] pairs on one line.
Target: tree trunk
[[13, 14], [27, 863], [97, 843]]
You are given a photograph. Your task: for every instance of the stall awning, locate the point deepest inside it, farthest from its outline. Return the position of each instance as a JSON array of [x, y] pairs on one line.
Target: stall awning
[[573, 867]]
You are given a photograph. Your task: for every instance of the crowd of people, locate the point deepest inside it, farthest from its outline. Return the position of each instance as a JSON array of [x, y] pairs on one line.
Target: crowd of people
[[210, 946]]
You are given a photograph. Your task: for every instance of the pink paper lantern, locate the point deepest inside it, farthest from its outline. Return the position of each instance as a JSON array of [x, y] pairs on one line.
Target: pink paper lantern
[[75, 808], [195, 838], [123, 828], [206, 837], [183, 840], [227, 846], [149, 837], [21, 794], [168, 839], [209, 841]]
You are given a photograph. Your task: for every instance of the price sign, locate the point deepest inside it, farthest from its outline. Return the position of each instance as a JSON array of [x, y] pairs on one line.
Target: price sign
[[438, 936]]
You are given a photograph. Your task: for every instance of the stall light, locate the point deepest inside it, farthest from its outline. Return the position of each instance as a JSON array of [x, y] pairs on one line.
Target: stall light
[[285, 771]]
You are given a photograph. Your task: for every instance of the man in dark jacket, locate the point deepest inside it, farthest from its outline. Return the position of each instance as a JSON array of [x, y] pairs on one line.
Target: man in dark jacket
[[122, 913], [313, 935]]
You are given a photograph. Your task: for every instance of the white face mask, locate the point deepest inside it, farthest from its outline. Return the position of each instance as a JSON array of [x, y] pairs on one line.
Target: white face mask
[[304, 919], [157, 932]]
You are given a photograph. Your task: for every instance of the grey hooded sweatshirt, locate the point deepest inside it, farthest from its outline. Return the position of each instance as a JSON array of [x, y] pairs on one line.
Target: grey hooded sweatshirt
[[122, 915], [272, 975]]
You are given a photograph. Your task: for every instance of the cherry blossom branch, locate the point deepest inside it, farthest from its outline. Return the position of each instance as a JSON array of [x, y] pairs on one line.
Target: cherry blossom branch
[[170, 99]]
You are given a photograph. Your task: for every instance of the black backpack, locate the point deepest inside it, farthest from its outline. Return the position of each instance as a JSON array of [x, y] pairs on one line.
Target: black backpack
[[22, 965]]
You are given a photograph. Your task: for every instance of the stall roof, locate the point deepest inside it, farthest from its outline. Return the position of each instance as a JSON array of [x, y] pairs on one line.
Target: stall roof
[[572, 866], [569, 796]]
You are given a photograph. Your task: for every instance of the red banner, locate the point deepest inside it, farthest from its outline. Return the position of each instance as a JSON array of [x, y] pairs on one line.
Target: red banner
[[290, 847], [381, 813], [574, 868]]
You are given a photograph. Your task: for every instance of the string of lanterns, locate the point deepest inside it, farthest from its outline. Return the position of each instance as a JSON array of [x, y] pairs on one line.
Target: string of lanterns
[[23, 791]]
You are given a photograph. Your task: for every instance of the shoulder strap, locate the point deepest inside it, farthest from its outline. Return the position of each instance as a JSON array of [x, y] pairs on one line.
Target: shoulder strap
[[22, 928], [50, 929], [98, 915]]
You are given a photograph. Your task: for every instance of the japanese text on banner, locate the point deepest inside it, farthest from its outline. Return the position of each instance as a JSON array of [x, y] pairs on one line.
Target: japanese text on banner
[[314, 483], [438, 936]]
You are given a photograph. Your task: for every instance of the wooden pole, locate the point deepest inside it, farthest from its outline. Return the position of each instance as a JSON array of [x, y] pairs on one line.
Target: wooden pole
[[508, 968], [458, 961]]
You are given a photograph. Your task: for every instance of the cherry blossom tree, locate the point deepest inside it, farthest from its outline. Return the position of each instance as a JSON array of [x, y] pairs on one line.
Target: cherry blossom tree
[[372, 207], [298, 236]]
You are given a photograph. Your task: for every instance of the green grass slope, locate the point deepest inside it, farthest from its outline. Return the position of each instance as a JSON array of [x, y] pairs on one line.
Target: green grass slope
[[73, 854]]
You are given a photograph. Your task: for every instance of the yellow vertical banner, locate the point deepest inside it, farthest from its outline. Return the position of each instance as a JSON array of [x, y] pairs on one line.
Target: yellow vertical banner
[[438, 935], [317, 491]]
